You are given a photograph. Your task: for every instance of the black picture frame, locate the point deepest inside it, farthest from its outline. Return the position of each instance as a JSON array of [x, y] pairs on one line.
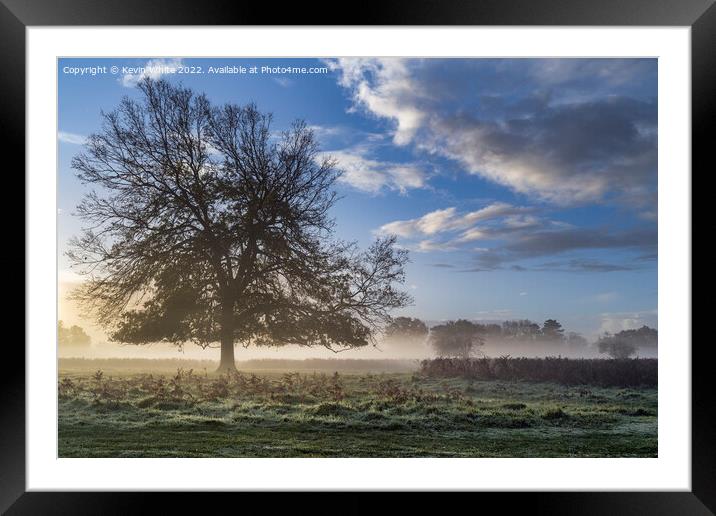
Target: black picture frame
[[17, 15]]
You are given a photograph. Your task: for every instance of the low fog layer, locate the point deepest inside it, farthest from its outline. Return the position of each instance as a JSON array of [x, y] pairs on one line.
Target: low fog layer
[[401, 347], [410, 347], [390, 348], [415, 349]]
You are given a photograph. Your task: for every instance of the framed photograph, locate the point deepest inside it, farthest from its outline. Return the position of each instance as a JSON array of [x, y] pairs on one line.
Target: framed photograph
[[443, 248]]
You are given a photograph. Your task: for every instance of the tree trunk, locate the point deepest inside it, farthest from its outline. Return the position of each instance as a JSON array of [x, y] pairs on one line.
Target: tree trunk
[[227, 356], [227, 341]]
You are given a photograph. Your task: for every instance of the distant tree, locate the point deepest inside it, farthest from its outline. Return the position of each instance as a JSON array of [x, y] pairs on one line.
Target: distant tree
[[402, 328], [521, 330], [643, 337], [205, 226], [616, 347], [627, 342], [493, 330], [456, 338], [552, 330], [575, 340], [489, 331], [72, 336]]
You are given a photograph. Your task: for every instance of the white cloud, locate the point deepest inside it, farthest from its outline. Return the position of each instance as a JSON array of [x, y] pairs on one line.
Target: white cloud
[[435, 221], [522, 221], [384, 87], [152, 69], [406, 176], [491, 211], [326, 131], [427, 246], [428, 224], [370, 175], [482, 150], [449, 219], [72, 138], [471, 235], [506, 235], [401, 228], [616, 322]]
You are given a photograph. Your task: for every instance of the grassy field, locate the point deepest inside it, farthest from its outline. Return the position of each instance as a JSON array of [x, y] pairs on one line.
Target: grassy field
[[133, 413]]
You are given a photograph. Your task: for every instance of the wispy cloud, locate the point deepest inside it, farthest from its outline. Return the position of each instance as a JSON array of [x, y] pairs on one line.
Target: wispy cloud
[[528, 245], [367, 174], [449, 219], [585, 265], [426, 246], [327, 131], [72, 138], [511, 235], [345, 137], [449, 230]]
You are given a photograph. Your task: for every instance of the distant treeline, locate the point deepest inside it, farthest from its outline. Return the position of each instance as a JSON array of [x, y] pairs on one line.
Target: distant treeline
[[462, 338], [267, 364], [522, 329], [618, 373]]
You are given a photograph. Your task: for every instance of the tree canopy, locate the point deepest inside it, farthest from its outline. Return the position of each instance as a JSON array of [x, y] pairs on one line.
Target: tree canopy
[[520, 330], [456, 338], [628, 342], [406, 328], [643, 337], [72, 336], [552, 330], [205, 226]]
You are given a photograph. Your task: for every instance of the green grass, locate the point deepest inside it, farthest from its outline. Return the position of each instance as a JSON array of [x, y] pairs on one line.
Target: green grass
[[347, 415]]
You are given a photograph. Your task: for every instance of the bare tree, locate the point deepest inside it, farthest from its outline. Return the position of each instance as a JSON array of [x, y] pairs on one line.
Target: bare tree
[[206, 227]]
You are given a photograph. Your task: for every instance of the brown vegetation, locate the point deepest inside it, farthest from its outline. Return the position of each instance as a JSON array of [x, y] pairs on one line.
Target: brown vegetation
[[621, 373]]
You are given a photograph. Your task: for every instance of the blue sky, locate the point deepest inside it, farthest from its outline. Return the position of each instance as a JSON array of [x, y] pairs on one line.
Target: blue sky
[[524, 188]]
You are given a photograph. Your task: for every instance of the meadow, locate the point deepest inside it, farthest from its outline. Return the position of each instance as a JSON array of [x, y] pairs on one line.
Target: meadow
[[130, 410]]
